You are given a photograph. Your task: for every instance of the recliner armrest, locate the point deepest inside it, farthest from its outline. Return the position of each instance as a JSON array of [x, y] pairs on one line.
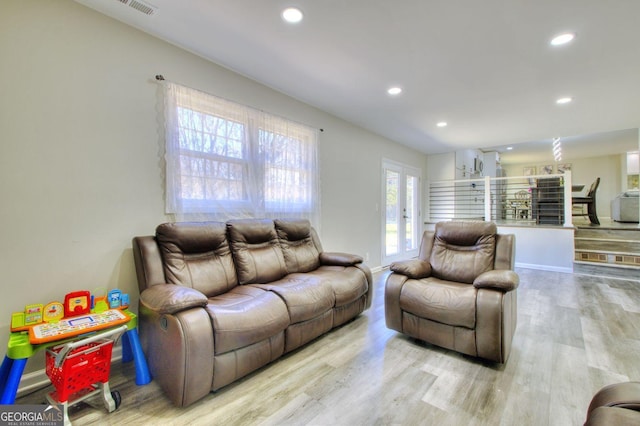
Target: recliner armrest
[[414, 268], [623, 395], [498, 279], [339, 259], [171, 298]]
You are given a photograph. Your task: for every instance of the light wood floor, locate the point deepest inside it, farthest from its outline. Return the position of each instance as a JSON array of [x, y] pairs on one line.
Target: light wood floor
[[575, 334]]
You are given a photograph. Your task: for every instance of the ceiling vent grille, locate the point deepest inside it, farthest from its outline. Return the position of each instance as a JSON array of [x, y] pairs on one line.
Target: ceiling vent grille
[[145, 8], [140, 6]]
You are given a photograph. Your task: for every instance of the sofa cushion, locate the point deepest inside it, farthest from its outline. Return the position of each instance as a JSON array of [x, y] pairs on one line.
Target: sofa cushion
[[306, 297], [348, 282], [197, 255], [463, 250], [442, 301], [244, 316], [298, 247], [256, 251]]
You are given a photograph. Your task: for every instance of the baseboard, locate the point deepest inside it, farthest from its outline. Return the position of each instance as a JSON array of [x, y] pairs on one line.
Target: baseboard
[[38, 379], [545, 267]]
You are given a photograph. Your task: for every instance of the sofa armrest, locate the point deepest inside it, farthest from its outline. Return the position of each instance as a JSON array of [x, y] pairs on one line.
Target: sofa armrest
[[414, 268], [498, 279], [171, 298], [339, 259]]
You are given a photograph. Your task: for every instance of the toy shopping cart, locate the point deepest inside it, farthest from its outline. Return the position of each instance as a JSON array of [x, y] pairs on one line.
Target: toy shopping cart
[[80, 369]]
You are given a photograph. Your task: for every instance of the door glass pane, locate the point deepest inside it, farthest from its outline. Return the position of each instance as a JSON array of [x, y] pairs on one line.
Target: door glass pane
[[391, 212], [411, 213]]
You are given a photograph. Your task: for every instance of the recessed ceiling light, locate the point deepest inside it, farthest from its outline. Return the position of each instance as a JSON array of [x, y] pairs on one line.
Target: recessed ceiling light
[[292, 15], [562, 39], [564, 100], [509, 148], [442, 124], [394, 91]]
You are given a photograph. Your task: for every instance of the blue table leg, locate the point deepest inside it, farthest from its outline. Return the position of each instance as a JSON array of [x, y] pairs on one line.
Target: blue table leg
[[4, 372], [10, 375], [127, 354], [142, 369]]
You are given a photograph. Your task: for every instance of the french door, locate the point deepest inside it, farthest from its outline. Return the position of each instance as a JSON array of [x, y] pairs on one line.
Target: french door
[[402, 227]]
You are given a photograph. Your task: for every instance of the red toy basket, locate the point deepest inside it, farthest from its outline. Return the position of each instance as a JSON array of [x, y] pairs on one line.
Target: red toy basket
[[80, 369]]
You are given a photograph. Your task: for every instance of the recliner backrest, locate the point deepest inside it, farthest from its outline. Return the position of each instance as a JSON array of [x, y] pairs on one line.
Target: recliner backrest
[[197, 255], [300, 244], [256, 251], [462, 250]]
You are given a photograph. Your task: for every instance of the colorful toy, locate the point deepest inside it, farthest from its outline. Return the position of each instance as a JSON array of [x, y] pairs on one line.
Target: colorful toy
[[124, 303], [115, 298], [53, 312], [77, 303], [100, 304], [33, 314], [75, 326]]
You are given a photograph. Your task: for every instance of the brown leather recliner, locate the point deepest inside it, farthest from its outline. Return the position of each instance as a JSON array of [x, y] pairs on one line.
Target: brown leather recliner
[[218, 301], [460, 293], [617, 404]]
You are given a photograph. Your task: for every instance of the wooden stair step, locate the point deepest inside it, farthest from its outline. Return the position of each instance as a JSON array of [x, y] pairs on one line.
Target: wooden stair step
[[608, 245]]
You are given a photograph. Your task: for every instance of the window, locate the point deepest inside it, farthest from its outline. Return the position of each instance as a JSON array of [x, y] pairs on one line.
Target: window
[[225, 160]]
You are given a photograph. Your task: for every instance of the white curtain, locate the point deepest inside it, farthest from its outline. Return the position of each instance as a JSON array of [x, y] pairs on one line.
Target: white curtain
[[227, 161]]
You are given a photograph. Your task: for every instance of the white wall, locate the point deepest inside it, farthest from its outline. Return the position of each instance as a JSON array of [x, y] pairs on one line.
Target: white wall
[[441, 167], [80, 157], [547, 249]]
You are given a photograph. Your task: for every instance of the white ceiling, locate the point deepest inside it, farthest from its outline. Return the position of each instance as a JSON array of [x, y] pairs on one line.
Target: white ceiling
[[485, 67]]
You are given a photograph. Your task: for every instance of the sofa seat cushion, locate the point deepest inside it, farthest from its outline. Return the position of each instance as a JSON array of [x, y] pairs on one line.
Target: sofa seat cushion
[[438, 300], [348, 282], [305, 296], [244, 316]]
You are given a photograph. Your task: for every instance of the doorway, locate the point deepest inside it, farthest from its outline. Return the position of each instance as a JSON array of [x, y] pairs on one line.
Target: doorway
[[401, 213]]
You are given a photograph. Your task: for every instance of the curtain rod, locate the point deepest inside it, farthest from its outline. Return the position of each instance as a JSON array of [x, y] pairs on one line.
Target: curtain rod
[[160, 77]]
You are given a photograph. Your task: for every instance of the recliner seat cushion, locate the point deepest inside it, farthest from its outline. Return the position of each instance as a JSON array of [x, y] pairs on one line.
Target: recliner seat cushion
[[463, 250], [244, 316], [446, 302], [298, 246], [197, 255], [256, 251]]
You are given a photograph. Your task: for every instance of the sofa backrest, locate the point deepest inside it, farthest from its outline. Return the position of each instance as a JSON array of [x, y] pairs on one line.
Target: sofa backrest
[[300, 244], [256, 250], [197, 255], [462, 250]]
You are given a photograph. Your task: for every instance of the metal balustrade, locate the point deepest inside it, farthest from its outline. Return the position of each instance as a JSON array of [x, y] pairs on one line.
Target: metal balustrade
[[534, 200]]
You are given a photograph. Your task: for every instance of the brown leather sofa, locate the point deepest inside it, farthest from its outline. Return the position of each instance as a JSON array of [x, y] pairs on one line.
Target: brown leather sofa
[[460, 293], [220, 300], [617, 404]]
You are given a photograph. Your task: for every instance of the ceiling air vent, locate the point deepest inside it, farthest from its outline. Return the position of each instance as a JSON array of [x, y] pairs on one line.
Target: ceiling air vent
[[140, 6], [145, 8]]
